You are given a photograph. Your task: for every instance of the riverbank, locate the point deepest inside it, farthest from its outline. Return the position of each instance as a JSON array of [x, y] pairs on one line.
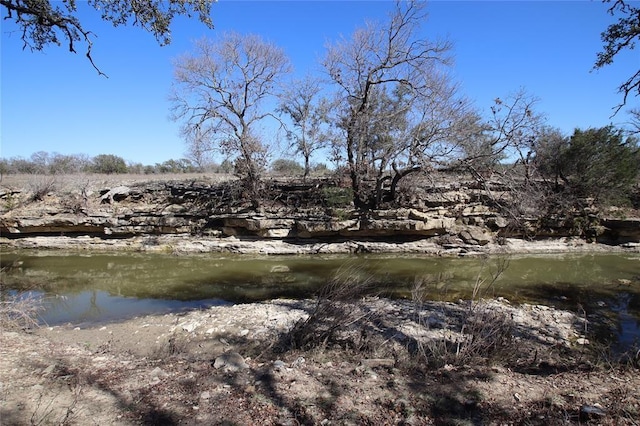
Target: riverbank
[[184, 244], [387, 364]]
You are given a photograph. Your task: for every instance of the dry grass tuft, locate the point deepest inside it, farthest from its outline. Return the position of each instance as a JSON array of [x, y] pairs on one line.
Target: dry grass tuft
[[482, 335], [19, 312], [333, 312]]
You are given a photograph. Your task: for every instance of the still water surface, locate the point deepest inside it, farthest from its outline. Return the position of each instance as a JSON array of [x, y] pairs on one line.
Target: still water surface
[[81, 288]]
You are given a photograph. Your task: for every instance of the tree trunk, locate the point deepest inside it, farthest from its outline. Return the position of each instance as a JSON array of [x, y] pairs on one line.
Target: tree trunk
[[399, 174], [306, 169]]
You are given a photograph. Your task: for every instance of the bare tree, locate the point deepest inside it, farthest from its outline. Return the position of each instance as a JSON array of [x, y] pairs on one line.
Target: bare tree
[[396, 106], [219, 94], [549, 150], [197, 150], [301, 103], [510, 133], [503, 147], [45, 22]]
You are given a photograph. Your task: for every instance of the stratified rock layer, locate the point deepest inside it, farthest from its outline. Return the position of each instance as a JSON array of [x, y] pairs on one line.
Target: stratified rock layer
[[449, 215]]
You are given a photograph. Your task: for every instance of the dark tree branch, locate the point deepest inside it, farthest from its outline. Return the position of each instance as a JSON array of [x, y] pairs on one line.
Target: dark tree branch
[[620, 36], [44, 22]]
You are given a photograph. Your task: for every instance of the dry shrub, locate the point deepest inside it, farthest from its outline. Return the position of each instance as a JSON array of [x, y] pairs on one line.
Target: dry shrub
[[41, 186], [482, 334], [610, 357], [19, 312], [623, 404], [334, 312], [487, 333], [173, 346]]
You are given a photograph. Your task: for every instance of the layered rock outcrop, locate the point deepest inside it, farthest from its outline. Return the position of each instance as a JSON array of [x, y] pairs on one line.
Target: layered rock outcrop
[[450, 214]]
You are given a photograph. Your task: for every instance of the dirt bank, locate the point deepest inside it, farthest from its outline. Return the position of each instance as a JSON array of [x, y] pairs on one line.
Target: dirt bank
[[234, 365]]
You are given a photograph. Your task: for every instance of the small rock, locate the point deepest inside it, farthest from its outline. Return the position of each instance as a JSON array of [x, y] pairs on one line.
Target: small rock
[[474, 236], [278, 365], [49, 370], [244, 332], [582, 341], [230, 361], [434, 322], [158, 373], [298, 362], [279, 269], [127, 396], [118, 193], [497, 222], [190, 326], [205, 395]]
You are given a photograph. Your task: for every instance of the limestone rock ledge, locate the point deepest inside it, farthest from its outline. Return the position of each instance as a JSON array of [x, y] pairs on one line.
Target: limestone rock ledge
[[149, 211]]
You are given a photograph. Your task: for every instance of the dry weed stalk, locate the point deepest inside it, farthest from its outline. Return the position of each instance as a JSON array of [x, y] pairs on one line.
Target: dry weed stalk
[[483, 332], [45, 411], [41, 186], [334, 311]]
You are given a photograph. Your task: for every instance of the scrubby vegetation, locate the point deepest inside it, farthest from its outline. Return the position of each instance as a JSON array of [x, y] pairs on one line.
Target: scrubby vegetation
[[44, 163]]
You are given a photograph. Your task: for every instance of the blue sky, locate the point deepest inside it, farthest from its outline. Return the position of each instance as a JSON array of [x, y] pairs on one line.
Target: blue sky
[[55, 101]]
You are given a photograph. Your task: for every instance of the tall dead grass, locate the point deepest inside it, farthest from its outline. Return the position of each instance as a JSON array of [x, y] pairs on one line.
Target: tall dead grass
[[333, 313], [482, 333]]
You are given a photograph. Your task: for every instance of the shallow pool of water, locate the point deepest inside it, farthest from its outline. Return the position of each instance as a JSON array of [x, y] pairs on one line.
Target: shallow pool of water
[[86, 287]]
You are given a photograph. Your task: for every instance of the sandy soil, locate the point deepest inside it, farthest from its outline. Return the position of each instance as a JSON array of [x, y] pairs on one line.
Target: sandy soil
[[385, 365]]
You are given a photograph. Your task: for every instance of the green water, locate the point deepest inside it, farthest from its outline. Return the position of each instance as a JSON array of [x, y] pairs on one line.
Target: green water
[[98, 287]]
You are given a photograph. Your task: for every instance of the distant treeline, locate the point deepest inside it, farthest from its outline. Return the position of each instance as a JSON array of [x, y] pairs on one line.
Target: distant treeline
[[57, 164]]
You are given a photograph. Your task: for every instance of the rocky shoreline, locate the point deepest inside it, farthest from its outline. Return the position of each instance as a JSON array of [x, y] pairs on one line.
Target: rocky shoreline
[[184, 244]]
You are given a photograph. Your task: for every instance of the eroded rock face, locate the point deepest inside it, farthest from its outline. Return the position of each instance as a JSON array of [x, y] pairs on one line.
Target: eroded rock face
[[623, 229], [201, 209]]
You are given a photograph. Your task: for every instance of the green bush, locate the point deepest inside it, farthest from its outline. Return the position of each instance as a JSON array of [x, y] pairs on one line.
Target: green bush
[[108, 164], [287, 167], [337, 197], [596, 163]]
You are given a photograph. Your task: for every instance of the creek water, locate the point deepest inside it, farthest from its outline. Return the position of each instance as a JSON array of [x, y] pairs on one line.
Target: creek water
[[95, 287]]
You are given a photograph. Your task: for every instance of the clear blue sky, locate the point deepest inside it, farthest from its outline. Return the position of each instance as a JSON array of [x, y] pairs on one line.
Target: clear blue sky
[[55, 101]]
